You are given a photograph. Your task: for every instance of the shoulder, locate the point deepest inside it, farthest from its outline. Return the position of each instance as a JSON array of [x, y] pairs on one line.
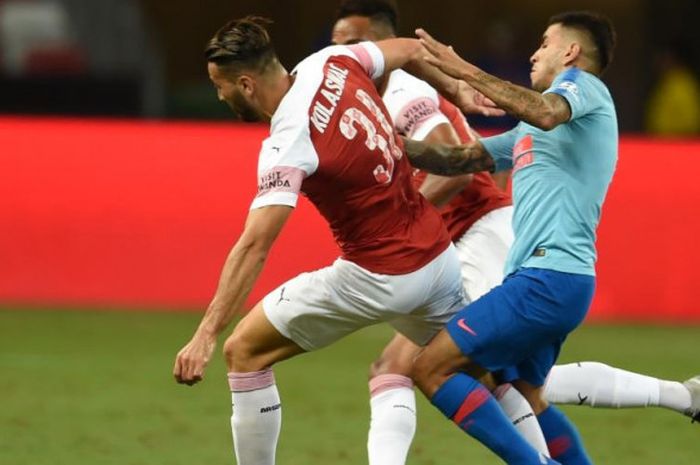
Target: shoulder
[[401, 81], [413, 105], [575, 81], [584, 92], [308, 74], [403, 88]]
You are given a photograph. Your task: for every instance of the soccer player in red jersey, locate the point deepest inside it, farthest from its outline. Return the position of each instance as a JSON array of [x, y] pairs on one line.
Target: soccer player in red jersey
[[331, 139]]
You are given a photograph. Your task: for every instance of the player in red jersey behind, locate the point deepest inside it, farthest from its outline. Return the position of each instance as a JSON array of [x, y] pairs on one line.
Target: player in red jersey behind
[[331, 139]]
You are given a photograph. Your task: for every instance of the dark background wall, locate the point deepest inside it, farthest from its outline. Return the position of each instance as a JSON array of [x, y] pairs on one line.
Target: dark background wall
[[302, 26], [167, 77]]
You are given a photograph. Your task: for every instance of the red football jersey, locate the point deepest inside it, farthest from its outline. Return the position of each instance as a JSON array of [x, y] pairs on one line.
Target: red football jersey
[[332, 139], [416, 109], [481, 196]]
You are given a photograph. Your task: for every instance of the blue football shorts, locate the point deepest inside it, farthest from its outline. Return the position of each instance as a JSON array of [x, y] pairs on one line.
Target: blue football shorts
[[516, 330]]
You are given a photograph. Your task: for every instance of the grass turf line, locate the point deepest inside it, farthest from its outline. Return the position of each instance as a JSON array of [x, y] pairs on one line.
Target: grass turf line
[[96, 388]]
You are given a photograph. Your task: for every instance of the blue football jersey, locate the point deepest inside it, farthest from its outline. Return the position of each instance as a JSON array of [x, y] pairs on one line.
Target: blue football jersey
[[560, 178]]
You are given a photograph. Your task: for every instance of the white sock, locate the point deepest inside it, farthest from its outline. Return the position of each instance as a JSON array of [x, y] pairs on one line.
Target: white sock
[[257, 417], [393, 420], [518, 409], [674, 396], [600, 385]]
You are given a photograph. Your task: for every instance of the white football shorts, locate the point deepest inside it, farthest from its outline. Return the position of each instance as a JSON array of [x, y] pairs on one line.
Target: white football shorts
[[317, 308], [483, 250]]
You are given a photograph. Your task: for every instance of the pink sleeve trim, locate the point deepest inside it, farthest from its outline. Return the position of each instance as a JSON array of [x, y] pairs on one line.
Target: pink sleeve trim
[[280, 179], [415, 114], [363, 57]]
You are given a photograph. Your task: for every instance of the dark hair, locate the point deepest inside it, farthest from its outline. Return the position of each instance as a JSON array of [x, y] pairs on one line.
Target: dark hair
[[242, 44], [598, 26], [380, 11]]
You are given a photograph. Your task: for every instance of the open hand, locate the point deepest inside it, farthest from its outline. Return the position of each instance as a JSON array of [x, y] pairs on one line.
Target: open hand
[[443, 56], [470, 100]]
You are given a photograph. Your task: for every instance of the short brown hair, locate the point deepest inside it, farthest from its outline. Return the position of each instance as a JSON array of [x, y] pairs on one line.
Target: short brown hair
[[598, 26], [242, 44], [378, 11]]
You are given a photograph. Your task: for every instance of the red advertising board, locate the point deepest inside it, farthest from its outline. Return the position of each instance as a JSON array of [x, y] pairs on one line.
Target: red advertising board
[[134, 214]]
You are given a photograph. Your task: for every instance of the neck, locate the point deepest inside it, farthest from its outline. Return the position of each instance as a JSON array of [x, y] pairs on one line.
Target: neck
[[279, 83], [585, 64]]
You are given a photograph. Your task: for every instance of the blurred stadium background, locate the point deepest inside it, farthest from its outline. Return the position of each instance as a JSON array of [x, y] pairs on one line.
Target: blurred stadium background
[[123, 183]]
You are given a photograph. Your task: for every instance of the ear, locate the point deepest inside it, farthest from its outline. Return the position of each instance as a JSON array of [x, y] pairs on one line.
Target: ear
[[246, 84], [573, 51]]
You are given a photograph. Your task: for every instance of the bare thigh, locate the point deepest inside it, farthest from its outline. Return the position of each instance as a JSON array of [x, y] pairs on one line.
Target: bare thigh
[[256, 345]]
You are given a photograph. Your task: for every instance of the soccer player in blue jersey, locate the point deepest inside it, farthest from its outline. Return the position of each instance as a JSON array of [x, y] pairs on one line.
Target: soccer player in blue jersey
[[563, 155]]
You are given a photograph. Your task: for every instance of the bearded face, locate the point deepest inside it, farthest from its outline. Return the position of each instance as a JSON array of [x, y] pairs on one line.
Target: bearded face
[[244, 109]]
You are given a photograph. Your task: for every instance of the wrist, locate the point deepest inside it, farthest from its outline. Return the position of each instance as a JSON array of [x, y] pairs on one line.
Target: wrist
[[206, 331], [209, 327]]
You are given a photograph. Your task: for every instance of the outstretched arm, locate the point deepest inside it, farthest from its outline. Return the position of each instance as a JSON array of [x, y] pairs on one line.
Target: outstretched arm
[[408, 54], [545, 111], [449, 160], [241, 270]]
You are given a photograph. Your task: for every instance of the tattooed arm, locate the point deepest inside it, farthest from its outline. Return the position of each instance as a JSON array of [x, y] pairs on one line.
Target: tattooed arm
[[448, 160], [545, 111]]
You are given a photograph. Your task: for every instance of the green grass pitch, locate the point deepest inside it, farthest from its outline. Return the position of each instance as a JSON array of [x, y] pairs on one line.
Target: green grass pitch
[[96, 388]]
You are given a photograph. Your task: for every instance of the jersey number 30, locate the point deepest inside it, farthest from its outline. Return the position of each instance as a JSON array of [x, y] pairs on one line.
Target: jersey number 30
[[384, 142]]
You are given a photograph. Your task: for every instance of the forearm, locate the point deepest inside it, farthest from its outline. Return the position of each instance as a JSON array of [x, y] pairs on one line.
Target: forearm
[[439, 190], [447, 86], [449, 160], [408, 54], [241, 270], [525, 104]]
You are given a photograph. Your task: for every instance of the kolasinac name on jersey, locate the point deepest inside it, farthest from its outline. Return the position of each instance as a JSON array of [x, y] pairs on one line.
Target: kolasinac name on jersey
[[332, 89]]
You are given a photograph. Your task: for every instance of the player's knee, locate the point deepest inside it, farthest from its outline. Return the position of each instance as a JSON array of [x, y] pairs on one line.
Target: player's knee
[[376, 368], [237, 353], [230, 350], [390, 365]]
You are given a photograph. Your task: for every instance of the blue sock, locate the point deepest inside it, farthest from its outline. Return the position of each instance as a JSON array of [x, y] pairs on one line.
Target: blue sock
[[563, 440], [472, 407]]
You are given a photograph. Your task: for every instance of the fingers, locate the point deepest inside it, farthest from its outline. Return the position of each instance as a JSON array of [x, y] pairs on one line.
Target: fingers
[[428, 41], [489, 107], [432, 60], [432, 46], [493, 112], [188, 370]]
